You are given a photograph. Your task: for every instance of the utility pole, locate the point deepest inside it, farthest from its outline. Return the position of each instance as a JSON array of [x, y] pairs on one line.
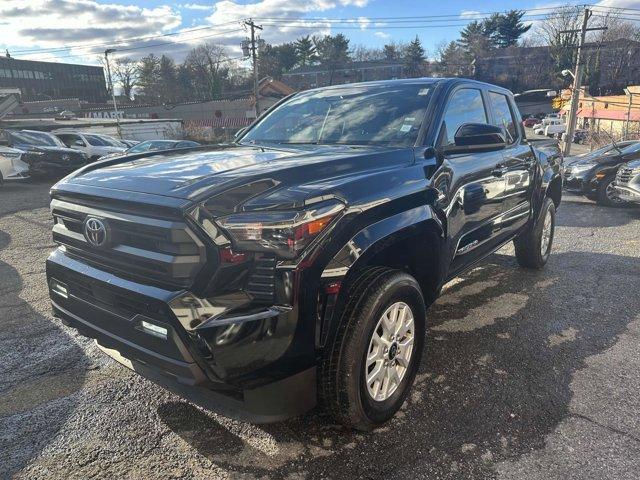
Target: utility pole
[[577, 80], [254, 57], [113, 93], [629, 93]]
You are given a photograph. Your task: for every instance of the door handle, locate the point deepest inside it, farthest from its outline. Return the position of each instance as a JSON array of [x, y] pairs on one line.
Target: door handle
[[499, 170]]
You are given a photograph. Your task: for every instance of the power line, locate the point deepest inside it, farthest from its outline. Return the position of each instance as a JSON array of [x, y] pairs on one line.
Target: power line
[[118, 42], [348, 23], [150, 46]]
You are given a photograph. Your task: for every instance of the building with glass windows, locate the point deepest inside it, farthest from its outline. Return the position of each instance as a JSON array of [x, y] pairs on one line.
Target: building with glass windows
[[49, 80]]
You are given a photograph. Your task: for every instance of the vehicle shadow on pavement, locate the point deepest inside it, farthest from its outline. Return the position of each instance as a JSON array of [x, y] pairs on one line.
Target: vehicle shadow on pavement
[[501, 352], [36, 384], [587, 214]]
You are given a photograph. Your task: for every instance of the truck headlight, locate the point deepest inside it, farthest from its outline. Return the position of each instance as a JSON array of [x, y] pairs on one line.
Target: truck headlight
[[582, 167], [284, 233]]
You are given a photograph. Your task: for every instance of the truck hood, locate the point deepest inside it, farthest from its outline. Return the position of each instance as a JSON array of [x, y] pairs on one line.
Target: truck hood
[[196, 175]]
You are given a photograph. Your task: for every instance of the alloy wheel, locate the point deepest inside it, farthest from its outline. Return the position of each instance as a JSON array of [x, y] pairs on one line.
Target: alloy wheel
[[389, 352], [546, 234]]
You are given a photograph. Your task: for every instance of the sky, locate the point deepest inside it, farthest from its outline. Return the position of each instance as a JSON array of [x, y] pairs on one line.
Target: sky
[[77, 31]]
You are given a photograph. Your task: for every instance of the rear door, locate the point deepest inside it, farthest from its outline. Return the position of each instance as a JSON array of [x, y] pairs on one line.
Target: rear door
[[519, 163], [470, 183]]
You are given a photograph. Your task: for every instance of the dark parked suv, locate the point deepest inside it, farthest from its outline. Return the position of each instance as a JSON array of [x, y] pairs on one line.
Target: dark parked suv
[[594, 174], [45, 154], [297, 264]]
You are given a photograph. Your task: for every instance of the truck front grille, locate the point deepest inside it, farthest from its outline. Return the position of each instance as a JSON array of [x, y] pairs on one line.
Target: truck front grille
[[156, 251]]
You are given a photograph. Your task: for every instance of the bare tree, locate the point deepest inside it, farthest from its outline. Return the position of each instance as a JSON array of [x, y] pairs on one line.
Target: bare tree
[[362, 53], [552, 31], [126, 72], [612, 53], [208, 65]]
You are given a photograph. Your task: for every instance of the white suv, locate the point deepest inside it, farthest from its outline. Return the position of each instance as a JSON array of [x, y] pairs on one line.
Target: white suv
[[94, 145]]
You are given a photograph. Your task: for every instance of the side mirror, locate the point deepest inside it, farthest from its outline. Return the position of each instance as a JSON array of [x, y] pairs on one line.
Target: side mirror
[[477, 137], [78, 143]]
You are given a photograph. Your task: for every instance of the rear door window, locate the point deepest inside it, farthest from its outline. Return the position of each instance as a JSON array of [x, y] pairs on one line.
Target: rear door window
[[503, 116]]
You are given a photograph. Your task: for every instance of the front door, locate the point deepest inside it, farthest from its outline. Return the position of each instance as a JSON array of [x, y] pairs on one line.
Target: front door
[[471, 185]]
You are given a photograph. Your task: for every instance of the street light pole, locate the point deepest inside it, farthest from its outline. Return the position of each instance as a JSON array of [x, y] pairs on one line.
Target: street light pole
[[113, 93]]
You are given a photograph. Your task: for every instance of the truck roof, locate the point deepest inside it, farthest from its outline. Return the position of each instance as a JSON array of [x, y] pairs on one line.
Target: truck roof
[[418, 80]]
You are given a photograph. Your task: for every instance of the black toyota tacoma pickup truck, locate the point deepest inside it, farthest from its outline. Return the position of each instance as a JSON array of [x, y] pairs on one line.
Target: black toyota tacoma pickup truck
[[295, 266]]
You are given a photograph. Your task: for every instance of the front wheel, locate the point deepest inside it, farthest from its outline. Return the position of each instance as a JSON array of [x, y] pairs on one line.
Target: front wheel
[[534, 245], [368, 369], [606, 194]]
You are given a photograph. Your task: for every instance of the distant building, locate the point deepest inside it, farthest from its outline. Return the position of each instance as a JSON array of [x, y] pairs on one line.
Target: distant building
[[215, 119], [312, 76], [534, 102], [615, 114], [49, 80]]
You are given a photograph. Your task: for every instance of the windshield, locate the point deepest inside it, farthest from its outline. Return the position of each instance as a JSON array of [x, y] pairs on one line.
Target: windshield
[[151, 145], [34, 138], [353, 115], [96, 141], [633, 148], [112, 142]]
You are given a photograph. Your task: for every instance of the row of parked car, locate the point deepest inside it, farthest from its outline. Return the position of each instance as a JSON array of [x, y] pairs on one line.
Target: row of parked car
[[31, 153], [609, 175]]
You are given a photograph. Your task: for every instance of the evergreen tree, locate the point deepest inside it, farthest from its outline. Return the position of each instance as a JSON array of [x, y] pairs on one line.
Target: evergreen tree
[[509, 28], [148, 77], [274, 60], [453, 60], [414, 58], [167, 84], [305, 51], [333, 53]]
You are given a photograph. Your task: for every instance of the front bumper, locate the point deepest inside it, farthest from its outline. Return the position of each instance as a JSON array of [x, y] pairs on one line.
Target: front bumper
[[627, 194], [580, 182], [248, 374]]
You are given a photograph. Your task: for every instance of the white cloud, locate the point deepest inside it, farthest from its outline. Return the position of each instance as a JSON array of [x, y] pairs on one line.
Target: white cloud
[[47, 24], [382, 35], [196, 6], [77, 23], [283, 19], [470, 14]]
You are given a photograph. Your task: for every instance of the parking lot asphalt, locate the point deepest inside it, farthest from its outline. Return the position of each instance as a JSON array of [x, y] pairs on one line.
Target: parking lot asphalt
[[526, 375]]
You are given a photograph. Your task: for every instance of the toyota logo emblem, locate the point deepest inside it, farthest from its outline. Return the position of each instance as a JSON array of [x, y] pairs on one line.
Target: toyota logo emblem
[[95, 231]]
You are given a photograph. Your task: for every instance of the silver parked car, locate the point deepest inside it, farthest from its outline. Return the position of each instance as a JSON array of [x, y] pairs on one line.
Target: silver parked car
[[627, 183], [11, 165]]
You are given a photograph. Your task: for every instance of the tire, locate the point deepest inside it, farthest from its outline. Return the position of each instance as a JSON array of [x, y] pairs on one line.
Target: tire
[[591, 196], [534, 245], [343, 388], [604, 193]]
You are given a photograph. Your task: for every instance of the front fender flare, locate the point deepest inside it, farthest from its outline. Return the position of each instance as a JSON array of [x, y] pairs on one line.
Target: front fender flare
[[418, 228]]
